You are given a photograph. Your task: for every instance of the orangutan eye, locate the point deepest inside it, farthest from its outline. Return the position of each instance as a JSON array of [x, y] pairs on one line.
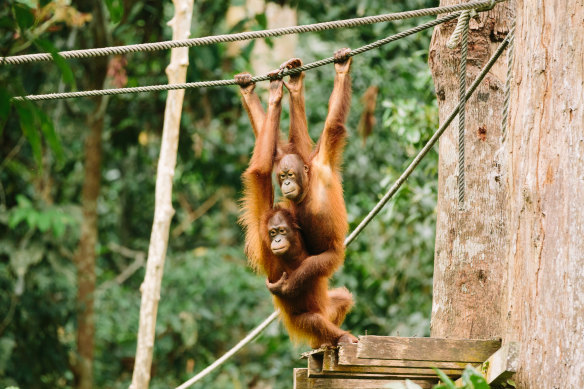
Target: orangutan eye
[[282, 231], [291, 175], [282, 176], [272, 232]]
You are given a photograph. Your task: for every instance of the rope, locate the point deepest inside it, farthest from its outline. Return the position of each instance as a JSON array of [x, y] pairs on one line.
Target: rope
[[481, 5], [390, 193], [463, 20], [454, 40], [256, 331], [510, 53], [204, 84]]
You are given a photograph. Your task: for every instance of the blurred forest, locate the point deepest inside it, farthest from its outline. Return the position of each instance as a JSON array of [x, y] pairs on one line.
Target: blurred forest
[[210, 298]]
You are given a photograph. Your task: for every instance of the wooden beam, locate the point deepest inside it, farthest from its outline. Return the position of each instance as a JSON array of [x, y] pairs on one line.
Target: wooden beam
[[426, 349], [503, 364], [347, 356], [302, 381], [329, 366]]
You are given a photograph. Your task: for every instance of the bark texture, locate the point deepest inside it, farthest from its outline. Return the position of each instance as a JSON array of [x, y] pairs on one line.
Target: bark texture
[[546, 195], [470, 264], [163, 210], [85, 254]]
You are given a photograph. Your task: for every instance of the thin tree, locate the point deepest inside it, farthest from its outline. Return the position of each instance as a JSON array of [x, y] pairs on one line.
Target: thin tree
[[85, 255], [163, 210]]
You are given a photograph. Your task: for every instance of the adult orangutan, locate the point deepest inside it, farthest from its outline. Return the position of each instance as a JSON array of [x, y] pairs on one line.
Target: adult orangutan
[[309, 310], [310, 180]]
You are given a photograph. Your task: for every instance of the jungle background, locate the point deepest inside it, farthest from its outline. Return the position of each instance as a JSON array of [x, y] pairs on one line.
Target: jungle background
[[210, 298]]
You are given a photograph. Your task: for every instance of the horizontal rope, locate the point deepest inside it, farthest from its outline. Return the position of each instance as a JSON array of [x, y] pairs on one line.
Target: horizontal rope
[[348, 23], [390, 193], [205, 84]]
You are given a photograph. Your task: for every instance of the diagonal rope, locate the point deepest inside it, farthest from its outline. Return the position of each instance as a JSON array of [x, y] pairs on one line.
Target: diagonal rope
[[204, 84], [510, 53], [390, 193], [481, 5], [398, 183]]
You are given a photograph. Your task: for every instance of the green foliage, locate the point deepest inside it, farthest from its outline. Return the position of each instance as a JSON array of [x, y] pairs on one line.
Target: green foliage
[[471, 379], [116, 10], [210, 298], [50, 218]]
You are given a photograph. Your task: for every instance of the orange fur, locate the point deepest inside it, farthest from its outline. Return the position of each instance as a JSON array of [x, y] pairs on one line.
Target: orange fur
[[312, 313]]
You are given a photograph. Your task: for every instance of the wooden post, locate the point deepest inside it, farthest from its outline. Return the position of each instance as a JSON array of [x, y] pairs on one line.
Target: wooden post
[[469, 263], [163, 211]]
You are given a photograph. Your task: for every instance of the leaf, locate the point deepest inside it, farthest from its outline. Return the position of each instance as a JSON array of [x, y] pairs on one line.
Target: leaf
[[58, 228], [444, 378], [24, 16], [262, 20], [63, 66], [4, 108], [44, 222], [478, 381], [7, 23], [116, 10], [16, 217], [48, 130], [26, 117], [246, 52]]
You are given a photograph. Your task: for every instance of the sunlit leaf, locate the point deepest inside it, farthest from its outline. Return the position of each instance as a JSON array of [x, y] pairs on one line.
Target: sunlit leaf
[[44, 222]]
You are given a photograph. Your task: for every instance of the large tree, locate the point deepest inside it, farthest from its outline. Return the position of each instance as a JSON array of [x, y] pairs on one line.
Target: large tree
[[545, 147]]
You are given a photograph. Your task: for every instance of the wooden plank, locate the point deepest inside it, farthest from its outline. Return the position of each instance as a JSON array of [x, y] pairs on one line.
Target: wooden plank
[[500, 366], [330, 366], [503, 364], [302, 381], [426, 349], [347, 356]]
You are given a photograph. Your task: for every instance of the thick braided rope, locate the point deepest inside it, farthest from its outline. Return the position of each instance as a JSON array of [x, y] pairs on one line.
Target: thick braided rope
[[480, 5], [428, 146], [510, 53], [456, 36], [461, 113], [204, 84], [390, 193]]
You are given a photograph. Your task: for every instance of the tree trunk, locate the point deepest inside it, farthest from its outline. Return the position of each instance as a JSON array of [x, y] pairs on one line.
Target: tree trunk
[[470, 264], [163, 211], [85, 254], [545, 145]]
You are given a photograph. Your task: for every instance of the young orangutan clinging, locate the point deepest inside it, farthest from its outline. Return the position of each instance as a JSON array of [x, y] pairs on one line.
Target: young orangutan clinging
[[312, 312], [308, 309], [310, 181]]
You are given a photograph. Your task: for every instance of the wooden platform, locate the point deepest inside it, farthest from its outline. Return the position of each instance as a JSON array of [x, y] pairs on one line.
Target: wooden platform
[[380, 360]]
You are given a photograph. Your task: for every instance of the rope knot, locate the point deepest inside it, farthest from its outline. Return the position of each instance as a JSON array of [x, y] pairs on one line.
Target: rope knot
[[461, 28]]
